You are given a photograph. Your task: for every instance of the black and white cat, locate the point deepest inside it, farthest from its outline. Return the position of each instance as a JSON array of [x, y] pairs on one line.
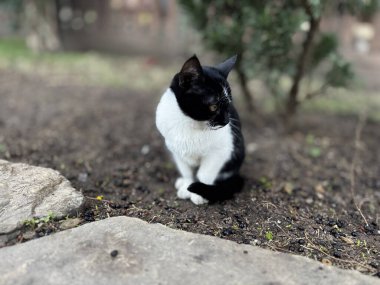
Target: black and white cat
[[203, 132]]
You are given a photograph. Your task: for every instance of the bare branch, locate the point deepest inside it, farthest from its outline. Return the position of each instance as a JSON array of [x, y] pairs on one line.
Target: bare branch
[[319, 91], [358, 132]]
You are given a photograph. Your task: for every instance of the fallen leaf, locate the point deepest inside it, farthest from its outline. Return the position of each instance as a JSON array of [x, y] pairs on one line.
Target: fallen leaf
[[326, 261], [347, 240]]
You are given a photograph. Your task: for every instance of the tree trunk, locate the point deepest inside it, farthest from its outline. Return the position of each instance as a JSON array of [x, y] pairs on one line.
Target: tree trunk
[[292, 100], [244, 87], [41, 25]]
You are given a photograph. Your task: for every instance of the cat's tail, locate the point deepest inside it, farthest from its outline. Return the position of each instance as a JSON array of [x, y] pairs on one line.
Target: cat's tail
[[222, 190]]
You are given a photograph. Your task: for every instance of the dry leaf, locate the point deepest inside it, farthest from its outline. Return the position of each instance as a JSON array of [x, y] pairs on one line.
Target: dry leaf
[[326, 261], [347, 240]]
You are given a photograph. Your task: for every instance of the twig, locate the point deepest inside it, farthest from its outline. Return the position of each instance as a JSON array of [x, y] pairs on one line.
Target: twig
[[100, 200], [338, 259], [287, 234], [267, 204], [313, 246], [317, 92], [358, 132]]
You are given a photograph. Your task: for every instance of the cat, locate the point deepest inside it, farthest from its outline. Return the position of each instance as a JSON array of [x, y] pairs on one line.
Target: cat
[[202, 130]]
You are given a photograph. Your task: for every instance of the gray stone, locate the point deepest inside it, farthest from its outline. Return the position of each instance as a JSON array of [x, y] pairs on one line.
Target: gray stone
[[145, 253], [27, 191]]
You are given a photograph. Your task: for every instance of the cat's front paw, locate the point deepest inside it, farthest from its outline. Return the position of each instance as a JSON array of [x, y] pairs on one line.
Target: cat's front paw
[[183, 193], [181, 185], [179, 182], [197, 199]]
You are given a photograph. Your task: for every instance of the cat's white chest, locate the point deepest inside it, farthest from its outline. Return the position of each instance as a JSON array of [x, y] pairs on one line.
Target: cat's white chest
[[189, 139]]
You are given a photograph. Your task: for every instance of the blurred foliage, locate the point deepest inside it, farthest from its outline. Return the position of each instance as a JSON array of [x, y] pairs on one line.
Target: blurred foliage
[[365, 10], [15, 5], [276, 39]]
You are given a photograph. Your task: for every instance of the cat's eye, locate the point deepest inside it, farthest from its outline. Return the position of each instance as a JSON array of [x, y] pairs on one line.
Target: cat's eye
[[213, 108]]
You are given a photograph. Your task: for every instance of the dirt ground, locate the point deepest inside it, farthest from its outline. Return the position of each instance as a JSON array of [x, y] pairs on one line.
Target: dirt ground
[[297, 196]]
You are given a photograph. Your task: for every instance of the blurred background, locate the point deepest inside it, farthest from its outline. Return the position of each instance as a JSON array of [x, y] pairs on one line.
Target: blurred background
[[289, 53]]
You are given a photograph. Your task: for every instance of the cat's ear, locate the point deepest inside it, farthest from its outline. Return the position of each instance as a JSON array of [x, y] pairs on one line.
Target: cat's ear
[[226, 66], [190, 71]]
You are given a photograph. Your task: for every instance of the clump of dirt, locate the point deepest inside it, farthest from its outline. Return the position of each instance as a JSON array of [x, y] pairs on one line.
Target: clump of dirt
[[297, 196]]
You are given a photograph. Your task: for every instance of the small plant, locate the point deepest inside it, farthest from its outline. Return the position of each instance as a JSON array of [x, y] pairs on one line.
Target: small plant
[[35, 221], [269, 235], [265, 182], [313, 149]]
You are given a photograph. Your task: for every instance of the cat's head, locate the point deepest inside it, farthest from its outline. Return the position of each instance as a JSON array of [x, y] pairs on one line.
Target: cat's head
[[203, 92]]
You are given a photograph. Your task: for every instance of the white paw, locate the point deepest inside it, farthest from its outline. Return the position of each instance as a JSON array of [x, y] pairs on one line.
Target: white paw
[[182, 184], [197, 199], [183, 193], [179, 182]]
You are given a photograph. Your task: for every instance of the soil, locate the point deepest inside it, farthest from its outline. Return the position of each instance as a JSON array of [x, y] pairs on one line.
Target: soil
[[297, 196]]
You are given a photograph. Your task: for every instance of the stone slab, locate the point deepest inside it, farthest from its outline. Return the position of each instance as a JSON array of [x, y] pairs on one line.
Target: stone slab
[[124, 251]]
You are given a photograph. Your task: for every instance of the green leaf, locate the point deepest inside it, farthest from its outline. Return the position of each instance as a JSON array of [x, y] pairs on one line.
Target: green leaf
[[269, 236], [340, 73], [326, 45]]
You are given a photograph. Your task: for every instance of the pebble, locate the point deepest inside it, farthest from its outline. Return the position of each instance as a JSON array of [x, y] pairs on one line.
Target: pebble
[[301, 228], [145, 149], [337, 254], [331, 223], [319, 219], [114, 253], [370, 229], [227, 232], [255, 242], [82, 177], [252, 147], [354, 234], [89, 216], [375, 264], [341, 223]]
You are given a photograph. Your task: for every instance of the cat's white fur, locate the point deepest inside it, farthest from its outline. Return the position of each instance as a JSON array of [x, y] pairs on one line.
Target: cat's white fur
[[194, 145]]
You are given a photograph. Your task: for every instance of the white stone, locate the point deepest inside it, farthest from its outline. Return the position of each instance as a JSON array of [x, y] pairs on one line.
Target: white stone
[[27, 191]]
